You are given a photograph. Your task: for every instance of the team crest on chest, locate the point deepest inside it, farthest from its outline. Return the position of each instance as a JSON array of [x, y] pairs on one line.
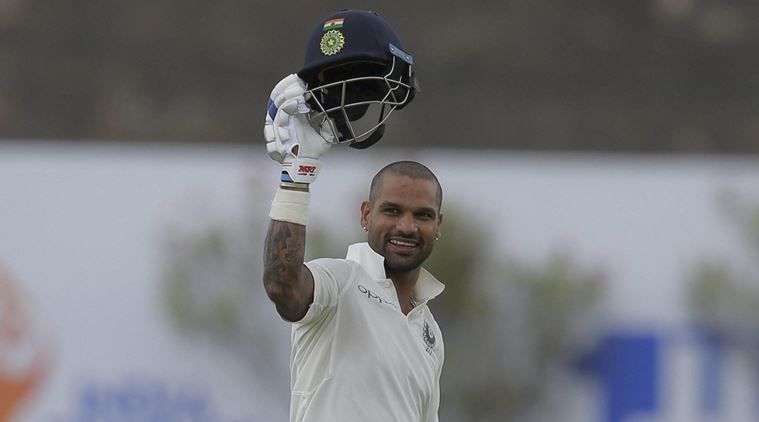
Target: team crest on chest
[[429, 336]]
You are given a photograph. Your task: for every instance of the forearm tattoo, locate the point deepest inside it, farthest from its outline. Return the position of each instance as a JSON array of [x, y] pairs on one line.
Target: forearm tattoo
[[284, 276]]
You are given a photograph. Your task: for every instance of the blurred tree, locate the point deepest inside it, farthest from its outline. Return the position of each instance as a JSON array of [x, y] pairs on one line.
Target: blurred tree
[[723, 299], [210, 293]]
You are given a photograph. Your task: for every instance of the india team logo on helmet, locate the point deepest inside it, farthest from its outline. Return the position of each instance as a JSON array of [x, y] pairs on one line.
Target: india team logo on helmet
[[332, 42], [355, 63]]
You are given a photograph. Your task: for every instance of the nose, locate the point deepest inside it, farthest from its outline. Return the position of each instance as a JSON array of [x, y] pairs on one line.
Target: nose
[[406, 224]]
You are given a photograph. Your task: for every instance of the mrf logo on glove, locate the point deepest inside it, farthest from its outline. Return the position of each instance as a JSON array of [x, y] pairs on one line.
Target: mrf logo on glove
[[300, 169], [306, 170]]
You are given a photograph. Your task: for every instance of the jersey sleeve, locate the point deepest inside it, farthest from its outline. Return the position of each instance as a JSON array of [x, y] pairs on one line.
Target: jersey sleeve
[[330, 278]]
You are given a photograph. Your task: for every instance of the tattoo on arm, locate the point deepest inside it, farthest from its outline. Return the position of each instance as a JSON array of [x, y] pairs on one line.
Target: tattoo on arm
[[288, 282]]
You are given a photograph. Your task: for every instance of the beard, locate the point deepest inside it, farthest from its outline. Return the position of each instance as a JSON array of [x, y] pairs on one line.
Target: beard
[[396, 262]]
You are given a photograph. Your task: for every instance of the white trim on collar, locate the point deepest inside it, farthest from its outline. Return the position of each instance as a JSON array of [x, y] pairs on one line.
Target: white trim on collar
[[427, 286]]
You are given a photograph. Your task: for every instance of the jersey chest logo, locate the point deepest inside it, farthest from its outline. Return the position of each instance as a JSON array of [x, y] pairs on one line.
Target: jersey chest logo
[[375, 297], [428, 336]]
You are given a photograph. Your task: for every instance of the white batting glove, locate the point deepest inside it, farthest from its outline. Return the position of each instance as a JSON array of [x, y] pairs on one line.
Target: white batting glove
[[290, 138], [287, 98]]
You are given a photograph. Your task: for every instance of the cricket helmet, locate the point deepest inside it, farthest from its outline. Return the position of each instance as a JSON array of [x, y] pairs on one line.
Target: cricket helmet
[[355, 62]]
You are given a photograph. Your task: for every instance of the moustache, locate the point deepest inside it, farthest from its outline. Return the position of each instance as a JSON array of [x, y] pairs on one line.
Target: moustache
[[405, 236]]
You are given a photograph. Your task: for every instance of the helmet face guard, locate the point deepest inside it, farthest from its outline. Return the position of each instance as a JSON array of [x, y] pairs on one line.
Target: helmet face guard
[[343, 102]]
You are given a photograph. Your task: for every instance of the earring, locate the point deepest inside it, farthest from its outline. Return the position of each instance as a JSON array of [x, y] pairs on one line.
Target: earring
[[366, 230], [437, 236]]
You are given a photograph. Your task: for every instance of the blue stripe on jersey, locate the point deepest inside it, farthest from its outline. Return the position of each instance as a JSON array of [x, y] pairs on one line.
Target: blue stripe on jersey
[[285, 177]]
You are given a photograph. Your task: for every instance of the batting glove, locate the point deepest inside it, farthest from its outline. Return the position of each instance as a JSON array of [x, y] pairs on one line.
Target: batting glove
[[290, 138]]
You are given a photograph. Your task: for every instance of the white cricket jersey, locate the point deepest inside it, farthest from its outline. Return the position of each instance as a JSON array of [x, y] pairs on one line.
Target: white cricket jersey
[[355, 356]]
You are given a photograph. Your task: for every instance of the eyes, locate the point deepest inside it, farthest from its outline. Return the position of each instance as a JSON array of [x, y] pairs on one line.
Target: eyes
[[391, 211], [425, 215], [421, 215]]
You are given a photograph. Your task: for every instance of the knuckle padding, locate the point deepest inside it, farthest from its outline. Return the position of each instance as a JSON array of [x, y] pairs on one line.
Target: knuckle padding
[[282, 118], [269, 133], [291, 106]]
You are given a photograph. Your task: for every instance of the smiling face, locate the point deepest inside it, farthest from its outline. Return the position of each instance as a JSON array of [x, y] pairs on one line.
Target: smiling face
[[402, 220]]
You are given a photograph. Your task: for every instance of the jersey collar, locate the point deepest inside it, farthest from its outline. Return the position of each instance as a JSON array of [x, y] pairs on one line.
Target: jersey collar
[[427, 287]]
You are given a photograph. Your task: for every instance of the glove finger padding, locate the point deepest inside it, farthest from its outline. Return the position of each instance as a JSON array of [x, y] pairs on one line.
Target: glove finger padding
[[289, 95], [290, 86], [275, 140], [293, 101], [286, 99]]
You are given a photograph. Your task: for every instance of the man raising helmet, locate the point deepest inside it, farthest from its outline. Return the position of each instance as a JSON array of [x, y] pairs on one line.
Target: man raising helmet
[[365, 345]]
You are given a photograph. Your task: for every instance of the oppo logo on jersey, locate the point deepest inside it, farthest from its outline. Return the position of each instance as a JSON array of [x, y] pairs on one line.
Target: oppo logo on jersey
[[371, 295]]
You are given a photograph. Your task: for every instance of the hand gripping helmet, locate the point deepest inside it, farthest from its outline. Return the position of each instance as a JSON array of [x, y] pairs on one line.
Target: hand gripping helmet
[[355, 62]]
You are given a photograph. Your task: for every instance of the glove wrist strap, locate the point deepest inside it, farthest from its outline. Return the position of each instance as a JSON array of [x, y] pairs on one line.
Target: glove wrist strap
[[300, 169], [290, 205], [294, 186]]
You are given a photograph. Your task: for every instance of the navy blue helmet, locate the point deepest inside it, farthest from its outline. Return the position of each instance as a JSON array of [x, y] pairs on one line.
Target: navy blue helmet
[[356, 62]]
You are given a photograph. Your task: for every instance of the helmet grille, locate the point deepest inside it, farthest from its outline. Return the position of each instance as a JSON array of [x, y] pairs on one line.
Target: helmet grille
[[346, 92]]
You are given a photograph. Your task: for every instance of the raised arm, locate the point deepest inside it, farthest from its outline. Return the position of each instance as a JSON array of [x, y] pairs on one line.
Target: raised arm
[[287, 280], [294, 143]]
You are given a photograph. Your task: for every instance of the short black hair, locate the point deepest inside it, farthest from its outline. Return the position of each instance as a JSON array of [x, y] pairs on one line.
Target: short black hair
[[410, 169]]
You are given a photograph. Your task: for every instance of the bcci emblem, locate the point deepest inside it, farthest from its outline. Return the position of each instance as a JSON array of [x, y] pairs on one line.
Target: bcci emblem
[[429, 336], [332, 42]]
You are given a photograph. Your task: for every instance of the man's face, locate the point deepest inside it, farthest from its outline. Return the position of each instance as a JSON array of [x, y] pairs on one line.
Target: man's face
[[403, 221]]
